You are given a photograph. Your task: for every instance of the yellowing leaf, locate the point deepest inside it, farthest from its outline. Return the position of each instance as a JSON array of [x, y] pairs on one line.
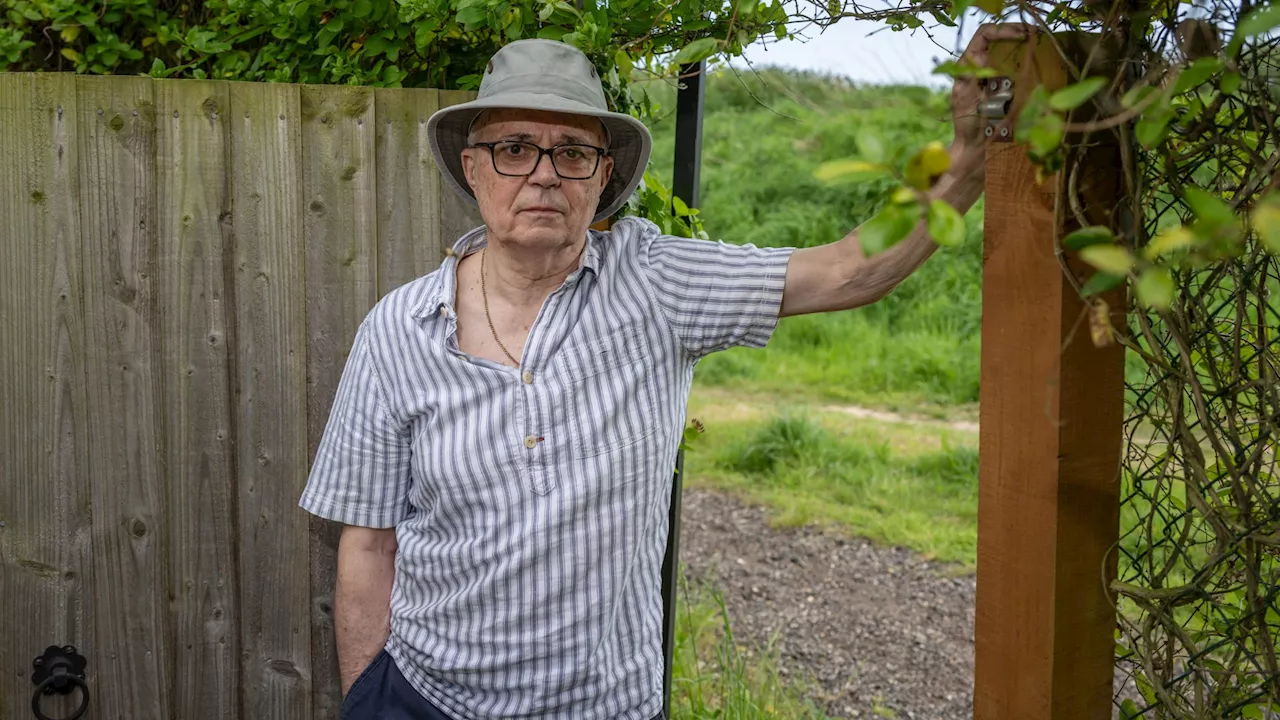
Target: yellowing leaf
[[991, 7], [946, 225], [1155, 288], [1168, 241], [1100, 330], [925, 166], [846, 170], [70, 33], [71, 54], [1111, 259], [1266, 222]]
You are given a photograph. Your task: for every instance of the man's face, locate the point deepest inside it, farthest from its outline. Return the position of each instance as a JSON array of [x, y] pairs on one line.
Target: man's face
[[543, 208]]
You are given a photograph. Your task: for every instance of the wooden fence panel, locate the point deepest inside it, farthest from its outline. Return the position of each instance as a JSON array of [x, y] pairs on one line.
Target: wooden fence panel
[[46, 558], [184, 265], [118, 213], [340, 189], [194, 235], [271, 417]]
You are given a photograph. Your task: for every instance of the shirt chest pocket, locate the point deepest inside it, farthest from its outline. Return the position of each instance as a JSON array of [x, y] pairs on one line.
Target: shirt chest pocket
[[611, 399]]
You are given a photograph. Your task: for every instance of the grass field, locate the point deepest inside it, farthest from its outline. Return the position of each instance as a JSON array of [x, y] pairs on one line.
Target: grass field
[[775, 430]]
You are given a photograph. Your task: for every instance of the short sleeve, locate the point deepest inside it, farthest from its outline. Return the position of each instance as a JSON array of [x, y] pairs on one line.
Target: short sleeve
[[361, 474], [715, 295]]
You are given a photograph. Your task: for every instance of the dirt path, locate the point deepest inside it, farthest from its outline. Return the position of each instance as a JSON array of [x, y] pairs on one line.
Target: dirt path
[[883, 632]]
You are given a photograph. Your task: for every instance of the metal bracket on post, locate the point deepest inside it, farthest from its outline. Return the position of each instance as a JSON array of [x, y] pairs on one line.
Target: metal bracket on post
[[995, 109]]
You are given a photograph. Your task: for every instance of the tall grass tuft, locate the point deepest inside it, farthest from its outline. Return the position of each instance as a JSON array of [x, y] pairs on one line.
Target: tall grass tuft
[[716, 678]]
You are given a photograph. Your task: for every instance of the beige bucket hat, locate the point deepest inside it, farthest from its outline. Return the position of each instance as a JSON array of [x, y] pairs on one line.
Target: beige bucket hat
[[544, 75]]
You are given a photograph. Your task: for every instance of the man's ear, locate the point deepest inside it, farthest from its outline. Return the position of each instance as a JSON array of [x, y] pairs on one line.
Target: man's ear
[[469, 168]]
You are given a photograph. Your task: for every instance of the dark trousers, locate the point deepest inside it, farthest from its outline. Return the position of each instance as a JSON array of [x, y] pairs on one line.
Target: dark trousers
[[382, 693]]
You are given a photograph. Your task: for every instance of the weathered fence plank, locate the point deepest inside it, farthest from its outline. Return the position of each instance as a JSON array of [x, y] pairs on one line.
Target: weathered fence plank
[[457, 216], [45, 551], [411, 241], [271, 417], [118, 223], [340, 189], [1052, 407], [193, 230]]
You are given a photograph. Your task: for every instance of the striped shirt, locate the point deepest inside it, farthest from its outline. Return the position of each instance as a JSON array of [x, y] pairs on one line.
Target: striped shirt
[[530, 505]]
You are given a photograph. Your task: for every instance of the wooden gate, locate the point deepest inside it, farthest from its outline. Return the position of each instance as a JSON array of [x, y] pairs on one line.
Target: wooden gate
[[183, 265]]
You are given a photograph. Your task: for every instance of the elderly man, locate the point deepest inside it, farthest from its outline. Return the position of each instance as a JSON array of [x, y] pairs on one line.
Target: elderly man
[[502, 441]]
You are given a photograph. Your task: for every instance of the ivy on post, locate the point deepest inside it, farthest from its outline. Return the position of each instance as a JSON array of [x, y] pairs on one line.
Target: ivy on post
[[1052, 401]]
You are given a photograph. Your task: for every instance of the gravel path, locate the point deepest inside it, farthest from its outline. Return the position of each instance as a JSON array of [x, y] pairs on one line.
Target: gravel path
[[875, 628]]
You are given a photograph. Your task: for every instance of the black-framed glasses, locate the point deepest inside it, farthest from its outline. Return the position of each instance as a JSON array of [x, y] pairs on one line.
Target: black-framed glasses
[[516, 158]]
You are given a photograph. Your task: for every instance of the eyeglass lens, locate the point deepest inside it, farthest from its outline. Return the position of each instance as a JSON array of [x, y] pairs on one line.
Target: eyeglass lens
[[576, 162]]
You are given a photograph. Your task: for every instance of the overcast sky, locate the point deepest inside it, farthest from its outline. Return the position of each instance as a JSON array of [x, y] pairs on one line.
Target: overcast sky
[[866, 52]]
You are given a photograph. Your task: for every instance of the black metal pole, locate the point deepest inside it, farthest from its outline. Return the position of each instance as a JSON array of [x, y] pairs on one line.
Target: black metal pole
[[688, 162], [689, 108]]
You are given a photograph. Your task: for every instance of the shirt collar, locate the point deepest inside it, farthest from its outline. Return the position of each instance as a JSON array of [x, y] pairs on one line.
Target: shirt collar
[[439, 300]]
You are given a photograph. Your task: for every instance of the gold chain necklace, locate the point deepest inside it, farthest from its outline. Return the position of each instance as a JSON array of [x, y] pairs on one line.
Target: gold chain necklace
[[485, 294]]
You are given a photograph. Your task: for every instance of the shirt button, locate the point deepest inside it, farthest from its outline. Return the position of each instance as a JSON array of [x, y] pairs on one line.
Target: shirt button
[[531, 442], [527, 377]]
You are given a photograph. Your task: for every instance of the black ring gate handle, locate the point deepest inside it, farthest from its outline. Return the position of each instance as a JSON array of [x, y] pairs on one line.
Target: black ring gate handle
[[59, 670]]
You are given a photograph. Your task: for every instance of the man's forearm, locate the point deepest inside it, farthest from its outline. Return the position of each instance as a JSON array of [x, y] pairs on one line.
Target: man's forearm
[[362, 604], [960, 187], [839, 277]]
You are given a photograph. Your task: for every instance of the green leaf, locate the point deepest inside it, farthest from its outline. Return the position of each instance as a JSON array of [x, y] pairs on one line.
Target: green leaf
[[552, 33], [888, 227], [963, 69], [1101, 282], [1046, 135], [361, 8], [1229, 83], [423, 35], [1196, 74], [946, 225], [870, 143], [1137, 95], [1084, 237], [1129, 710], [1258, 22], [1108, 258], [697, 51], [681, 209], [1153, 126], [1266, 222], [1169, 241], [471, 16], [849, 170], [1155, 288], [1209, 208], [747, 8], [1073, 96]]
